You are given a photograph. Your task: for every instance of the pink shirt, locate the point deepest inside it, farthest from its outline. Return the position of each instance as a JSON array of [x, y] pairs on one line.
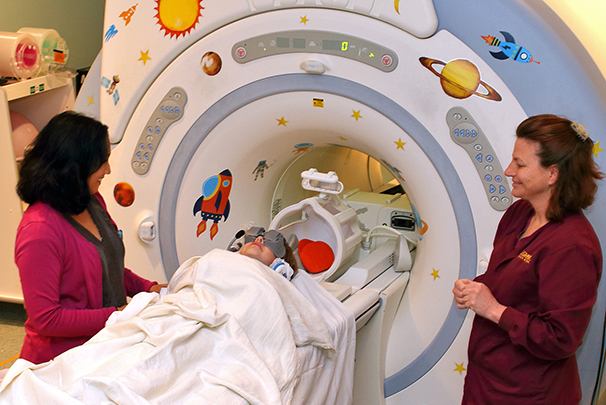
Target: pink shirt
[[61, 278]]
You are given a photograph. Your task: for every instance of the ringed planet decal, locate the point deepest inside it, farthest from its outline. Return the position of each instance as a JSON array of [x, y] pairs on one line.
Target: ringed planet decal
[[178, 17], [460, 79]]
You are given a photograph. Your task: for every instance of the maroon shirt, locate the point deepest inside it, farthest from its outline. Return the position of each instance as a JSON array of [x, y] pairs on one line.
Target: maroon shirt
[[548, 281]]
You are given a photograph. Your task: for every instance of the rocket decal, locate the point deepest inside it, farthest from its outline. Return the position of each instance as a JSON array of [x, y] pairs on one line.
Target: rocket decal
[[214, 202], [509, 49]]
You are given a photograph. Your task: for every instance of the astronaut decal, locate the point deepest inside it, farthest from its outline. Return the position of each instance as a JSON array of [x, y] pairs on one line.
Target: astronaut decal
[[214, 202], [260, 169]]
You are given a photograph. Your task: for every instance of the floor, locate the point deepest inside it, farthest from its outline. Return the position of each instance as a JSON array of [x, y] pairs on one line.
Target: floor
[[12, 318]]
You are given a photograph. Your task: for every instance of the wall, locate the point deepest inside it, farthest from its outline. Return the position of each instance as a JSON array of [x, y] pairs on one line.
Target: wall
[[586, 20], [79, 22]]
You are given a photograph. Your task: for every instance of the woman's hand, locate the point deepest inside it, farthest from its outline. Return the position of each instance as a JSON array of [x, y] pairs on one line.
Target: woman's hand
[[157, 287], [477, 297]]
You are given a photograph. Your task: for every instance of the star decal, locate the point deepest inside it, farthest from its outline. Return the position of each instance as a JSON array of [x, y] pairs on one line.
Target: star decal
[[304, 20], [356, 114], [435, 274], [144, 57], [281, 121], [460, 368], [400, 144], [597, 149], [90, 100]]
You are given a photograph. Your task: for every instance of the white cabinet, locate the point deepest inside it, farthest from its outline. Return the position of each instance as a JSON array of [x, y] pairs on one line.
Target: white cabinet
[[37, 99]]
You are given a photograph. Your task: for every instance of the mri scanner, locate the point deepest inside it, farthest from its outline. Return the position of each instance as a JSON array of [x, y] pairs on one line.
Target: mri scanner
[[415, 102]]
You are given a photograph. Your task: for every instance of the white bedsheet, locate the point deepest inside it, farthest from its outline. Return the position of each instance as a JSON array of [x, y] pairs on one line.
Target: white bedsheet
[[230, 331]]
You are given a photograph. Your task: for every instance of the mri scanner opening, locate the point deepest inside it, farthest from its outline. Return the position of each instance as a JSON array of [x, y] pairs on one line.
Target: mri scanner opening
[[368, 188]]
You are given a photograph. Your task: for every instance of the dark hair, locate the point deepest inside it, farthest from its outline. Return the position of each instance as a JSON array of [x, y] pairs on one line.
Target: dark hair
[[56, 168], [289, 257], [560, 144]]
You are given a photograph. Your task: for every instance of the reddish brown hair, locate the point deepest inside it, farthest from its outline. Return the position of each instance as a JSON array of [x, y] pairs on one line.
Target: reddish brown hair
[[561, 145]]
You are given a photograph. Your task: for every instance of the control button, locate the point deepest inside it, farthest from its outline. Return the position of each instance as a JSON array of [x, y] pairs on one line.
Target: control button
[[241, 52], [177, 96], [146, 156], [150, 138], [492, 189], [474, 133], [457, 116], [489, 168], [456, 132], [171, 110], [159, 121], [479, 157], [177, 110], [138, 154], [151, 147], [489, 158], [141, 146], [162, 109], [488, 178], [505, 200], [494, 199], [498, 178], [387, 60], [467, 133], [144, 165], [136, 164], [502, 190], [477, 147], [158, 130], [150, 129]]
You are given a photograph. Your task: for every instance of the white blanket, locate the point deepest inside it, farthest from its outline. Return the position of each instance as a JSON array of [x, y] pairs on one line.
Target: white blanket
[[227, 333]]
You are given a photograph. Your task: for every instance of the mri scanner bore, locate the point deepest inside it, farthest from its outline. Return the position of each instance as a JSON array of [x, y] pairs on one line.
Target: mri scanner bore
[[380, 85]]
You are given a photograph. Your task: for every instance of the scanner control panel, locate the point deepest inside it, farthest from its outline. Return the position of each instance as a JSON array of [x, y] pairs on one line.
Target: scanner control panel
[[466, 133], [168, 111]]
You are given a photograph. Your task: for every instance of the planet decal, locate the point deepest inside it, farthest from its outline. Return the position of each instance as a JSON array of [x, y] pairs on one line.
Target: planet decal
[[460, 79], [211, 63], [124, 194]]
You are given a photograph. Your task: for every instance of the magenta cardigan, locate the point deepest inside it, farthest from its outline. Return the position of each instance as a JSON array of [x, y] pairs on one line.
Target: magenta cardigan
[[61, 280]]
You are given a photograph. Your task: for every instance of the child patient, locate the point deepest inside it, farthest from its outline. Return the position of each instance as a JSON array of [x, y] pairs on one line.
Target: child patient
[[271, 249]]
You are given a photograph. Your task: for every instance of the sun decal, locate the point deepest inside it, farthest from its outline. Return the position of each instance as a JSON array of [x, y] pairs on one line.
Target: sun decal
[[178, 17]]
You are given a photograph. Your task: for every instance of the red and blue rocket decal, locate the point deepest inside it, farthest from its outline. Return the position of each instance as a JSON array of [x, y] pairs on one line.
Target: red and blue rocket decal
[[214, 204], [509, 49]]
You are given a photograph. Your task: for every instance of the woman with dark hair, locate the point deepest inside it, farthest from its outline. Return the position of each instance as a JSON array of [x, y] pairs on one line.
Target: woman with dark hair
[[534, 302], [68, 250]]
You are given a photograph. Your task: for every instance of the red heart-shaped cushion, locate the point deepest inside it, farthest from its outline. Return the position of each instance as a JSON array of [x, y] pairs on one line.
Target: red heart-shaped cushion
[[316, 256]]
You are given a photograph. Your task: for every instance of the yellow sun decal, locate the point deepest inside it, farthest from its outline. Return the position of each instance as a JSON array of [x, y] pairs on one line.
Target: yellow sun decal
[[178, 17]]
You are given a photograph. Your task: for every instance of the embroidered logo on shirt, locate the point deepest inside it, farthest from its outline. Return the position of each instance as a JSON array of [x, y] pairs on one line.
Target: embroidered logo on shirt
[[525, 256]]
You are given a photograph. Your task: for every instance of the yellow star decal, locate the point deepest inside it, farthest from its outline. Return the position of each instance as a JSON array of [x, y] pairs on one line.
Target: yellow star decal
[[597, 149], [304, 20], [435, 274], [460, 368], [342, 138], [281, 121], [356, 114], [400, 144], [144, 57], [90, 100]]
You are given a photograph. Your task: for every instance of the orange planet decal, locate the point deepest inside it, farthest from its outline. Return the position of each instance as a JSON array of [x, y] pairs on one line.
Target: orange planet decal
[[211, 63], [178, 17], [124, 194], [460, 78]]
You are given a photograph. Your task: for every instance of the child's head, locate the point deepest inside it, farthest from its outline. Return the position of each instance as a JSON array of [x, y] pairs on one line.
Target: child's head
[[267, 246]]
